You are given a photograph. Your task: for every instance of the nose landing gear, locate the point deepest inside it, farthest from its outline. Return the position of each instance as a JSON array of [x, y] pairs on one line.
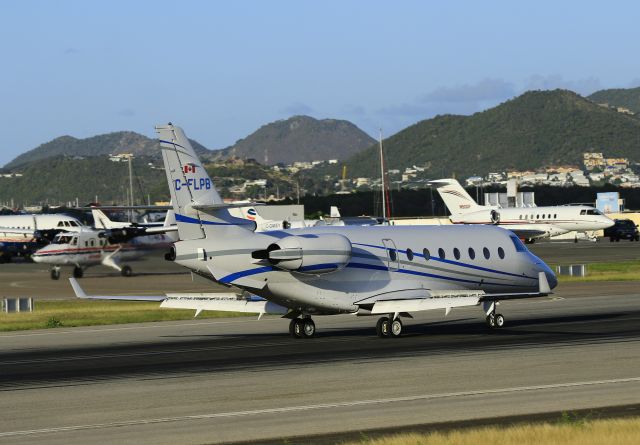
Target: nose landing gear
[[494, 321]]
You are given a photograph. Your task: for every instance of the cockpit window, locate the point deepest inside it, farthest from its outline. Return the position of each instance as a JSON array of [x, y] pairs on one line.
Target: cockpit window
[[73, 224], [60, 223], [62, 239], [518, 244], [593, 212]]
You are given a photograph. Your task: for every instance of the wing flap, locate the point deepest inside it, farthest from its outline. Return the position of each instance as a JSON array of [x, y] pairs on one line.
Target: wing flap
[[423, 304], [221, 302]]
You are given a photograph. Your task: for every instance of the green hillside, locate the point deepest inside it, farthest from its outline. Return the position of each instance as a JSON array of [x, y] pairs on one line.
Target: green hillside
[[103, 144], [535, 129], [62, 179], [300, 138], [618, 97]]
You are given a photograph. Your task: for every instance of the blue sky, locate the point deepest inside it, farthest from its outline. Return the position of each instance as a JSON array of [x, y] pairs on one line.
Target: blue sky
[[222, 69]]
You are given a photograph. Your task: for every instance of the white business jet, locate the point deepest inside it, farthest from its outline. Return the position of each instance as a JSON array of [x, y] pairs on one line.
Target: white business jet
[[21, 235], [389, 271], [529, 223]]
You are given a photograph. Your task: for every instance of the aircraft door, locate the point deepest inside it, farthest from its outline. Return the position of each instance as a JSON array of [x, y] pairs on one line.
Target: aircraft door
[[393, 260]]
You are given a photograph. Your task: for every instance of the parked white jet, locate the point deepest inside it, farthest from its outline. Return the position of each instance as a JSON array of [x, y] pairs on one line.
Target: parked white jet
[[111, 246], [529, 223], [21, 235], [385, 270]]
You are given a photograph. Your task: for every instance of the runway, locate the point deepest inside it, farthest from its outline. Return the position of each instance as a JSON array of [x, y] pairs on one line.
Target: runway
[[212, 381]]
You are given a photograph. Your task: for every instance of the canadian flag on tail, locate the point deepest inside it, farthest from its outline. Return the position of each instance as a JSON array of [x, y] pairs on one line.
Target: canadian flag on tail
[[189, 168]]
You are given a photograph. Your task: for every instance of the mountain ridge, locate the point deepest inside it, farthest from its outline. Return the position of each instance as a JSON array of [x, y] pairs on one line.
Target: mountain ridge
[[535, 129]]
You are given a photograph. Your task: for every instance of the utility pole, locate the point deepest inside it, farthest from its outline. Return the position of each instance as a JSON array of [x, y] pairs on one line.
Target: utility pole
[[130, 187]]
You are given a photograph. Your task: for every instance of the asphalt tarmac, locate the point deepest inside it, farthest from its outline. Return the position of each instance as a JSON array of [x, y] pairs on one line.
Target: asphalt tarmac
[[213, 381]]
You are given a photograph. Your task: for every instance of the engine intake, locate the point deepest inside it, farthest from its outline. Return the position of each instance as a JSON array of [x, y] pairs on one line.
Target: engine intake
[[312, 254]]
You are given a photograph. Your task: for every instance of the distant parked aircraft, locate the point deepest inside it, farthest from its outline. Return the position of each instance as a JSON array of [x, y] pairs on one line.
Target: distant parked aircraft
[[529, 223]]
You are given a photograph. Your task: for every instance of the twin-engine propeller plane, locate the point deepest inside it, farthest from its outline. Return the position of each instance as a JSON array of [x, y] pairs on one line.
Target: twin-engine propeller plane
[[389, 271], [111, 245]]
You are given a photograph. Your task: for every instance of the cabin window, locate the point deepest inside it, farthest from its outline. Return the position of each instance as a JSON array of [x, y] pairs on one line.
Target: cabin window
[[86, 244], [543, 216], [583, 212], [74, 241], [520, 217], [393, 256], [486, 253], [537, 216], [441, 253], [410, 254], [472, 253], [501, 253], [549, 216], [456, 253], [92, 243], [426, 254], [555, 216]]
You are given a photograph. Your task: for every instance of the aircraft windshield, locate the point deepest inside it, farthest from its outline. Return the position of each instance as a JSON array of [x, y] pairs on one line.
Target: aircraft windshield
[[518, 244], [62, 239]]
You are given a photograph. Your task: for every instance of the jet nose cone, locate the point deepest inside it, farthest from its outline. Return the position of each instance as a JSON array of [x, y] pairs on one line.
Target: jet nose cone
[[551, 278]]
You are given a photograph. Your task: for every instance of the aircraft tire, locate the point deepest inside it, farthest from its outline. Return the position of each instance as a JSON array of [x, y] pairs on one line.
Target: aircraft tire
[[55, 274], [383, 327], [295, 328], [491, 321], [308, 328], [126, 271], [498, 320], [396, 328], [78, 272]]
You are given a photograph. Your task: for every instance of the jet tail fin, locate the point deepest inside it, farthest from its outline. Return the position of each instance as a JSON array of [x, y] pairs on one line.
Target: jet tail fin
[[455, 196], [102, 221], [199, 210]]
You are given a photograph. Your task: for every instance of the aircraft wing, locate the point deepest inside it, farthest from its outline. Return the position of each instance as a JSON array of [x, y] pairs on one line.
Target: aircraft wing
[[160, 229], [415, 300], [223, 302]]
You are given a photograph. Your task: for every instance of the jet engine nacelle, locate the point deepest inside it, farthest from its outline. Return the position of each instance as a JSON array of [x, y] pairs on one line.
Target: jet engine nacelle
[[313, 254]]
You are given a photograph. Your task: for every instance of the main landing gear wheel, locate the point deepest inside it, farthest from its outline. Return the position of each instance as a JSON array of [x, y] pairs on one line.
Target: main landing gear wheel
[[495, 321], [302, 328], [396, 328], [383, 327], [126, 271], [78, 272], [55, 274]]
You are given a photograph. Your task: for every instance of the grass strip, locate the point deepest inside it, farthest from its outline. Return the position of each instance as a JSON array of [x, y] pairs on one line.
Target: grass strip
[[568, 430], [69, 313], [619, 271]]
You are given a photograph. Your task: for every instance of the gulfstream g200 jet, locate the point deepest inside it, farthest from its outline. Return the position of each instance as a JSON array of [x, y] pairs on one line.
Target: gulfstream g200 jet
[[388, 271]]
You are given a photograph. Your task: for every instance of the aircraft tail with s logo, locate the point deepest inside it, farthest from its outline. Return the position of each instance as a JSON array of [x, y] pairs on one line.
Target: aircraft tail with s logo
[[200, 212], [455, 197]]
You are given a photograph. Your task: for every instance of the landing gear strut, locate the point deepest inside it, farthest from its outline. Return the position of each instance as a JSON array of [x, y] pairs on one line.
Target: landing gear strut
[[302, 328], [494, 321], [388, 327], [55, 273]]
